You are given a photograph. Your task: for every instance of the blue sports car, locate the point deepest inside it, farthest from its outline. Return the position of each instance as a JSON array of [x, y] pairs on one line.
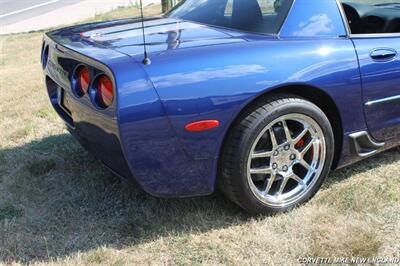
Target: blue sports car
[[259, 98]]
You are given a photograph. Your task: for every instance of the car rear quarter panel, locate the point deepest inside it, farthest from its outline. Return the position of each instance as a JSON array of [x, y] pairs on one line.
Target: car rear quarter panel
[[218, 82]]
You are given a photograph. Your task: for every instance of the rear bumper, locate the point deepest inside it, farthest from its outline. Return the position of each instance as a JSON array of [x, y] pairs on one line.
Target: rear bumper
[[98, 134], [143, 152], [103, 145]]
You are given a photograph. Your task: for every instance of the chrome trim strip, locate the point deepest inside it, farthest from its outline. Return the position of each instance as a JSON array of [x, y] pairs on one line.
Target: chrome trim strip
[[384, 100], [375, 35], [344, 18]]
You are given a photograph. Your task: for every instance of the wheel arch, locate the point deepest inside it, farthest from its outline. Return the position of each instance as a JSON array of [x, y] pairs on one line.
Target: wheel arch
[[313, 94]]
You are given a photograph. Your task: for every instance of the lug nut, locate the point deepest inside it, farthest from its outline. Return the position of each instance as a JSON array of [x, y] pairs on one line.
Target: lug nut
[[274, 166], [293, 157], [287, 147], [276, 153], [285, 168]]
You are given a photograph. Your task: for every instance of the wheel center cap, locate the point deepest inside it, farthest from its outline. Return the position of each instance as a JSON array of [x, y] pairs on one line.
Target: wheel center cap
[[282, 159]]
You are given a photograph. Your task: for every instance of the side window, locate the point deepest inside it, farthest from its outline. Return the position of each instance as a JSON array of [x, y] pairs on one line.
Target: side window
[[263, 16], [267, 6], [260, 16], [372, 16]]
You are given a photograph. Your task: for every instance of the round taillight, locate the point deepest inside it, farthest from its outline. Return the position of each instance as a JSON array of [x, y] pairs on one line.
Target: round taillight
[[105, 91], [82, 80]]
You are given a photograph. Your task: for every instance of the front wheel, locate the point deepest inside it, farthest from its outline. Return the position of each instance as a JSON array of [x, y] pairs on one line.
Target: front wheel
[[277, 155]]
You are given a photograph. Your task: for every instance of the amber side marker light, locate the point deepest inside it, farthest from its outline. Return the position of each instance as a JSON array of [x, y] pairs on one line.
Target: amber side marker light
[[202, 125]]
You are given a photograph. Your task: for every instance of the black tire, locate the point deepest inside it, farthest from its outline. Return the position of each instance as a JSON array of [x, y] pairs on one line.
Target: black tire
[[233, 176]]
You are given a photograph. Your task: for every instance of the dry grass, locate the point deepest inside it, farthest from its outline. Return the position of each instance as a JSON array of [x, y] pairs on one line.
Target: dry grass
[[58, 207]]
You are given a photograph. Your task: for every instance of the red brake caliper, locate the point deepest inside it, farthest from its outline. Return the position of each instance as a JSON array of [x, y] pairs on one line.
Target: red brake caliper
[[300, 145]]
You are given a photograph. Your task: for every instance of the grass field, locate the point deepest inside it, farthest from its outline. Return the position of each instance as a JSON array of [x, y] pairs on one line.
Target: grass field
[[58, 207]]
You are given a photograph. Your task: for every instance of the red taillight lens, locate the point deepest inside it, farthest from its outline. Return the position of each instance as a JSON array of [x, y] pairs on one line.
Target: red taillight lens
[[105, 91], [82, 80]]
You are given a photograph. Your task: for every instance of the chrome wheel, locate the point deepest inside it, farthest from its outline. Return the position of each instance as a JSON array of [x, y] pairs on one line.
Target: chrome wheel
[[286, 160]]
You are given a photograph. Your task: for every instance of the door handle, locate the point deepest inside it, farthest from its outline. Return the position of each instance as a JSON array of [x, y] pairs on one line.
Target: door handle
[[385, 54]]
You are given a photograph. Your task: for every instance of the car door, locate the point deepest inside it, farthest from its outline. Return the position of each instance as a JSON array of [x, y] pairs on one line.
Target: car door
[[380, 72], [375, 32]]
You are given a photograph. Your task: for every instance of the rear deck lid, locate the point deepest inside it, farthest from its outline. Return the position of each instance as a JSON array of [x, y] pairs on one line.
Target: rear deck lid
[[162, 34]]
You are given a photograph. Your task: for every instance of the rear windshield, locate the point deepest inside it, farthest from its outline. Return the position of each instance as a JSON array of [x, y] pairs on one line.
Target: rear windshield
[[261, 16]]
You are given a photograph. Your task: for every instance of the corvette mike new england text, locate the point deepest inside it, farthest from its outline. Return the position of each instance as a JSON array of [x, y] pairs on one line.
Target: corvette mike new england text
[[350, 260]]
